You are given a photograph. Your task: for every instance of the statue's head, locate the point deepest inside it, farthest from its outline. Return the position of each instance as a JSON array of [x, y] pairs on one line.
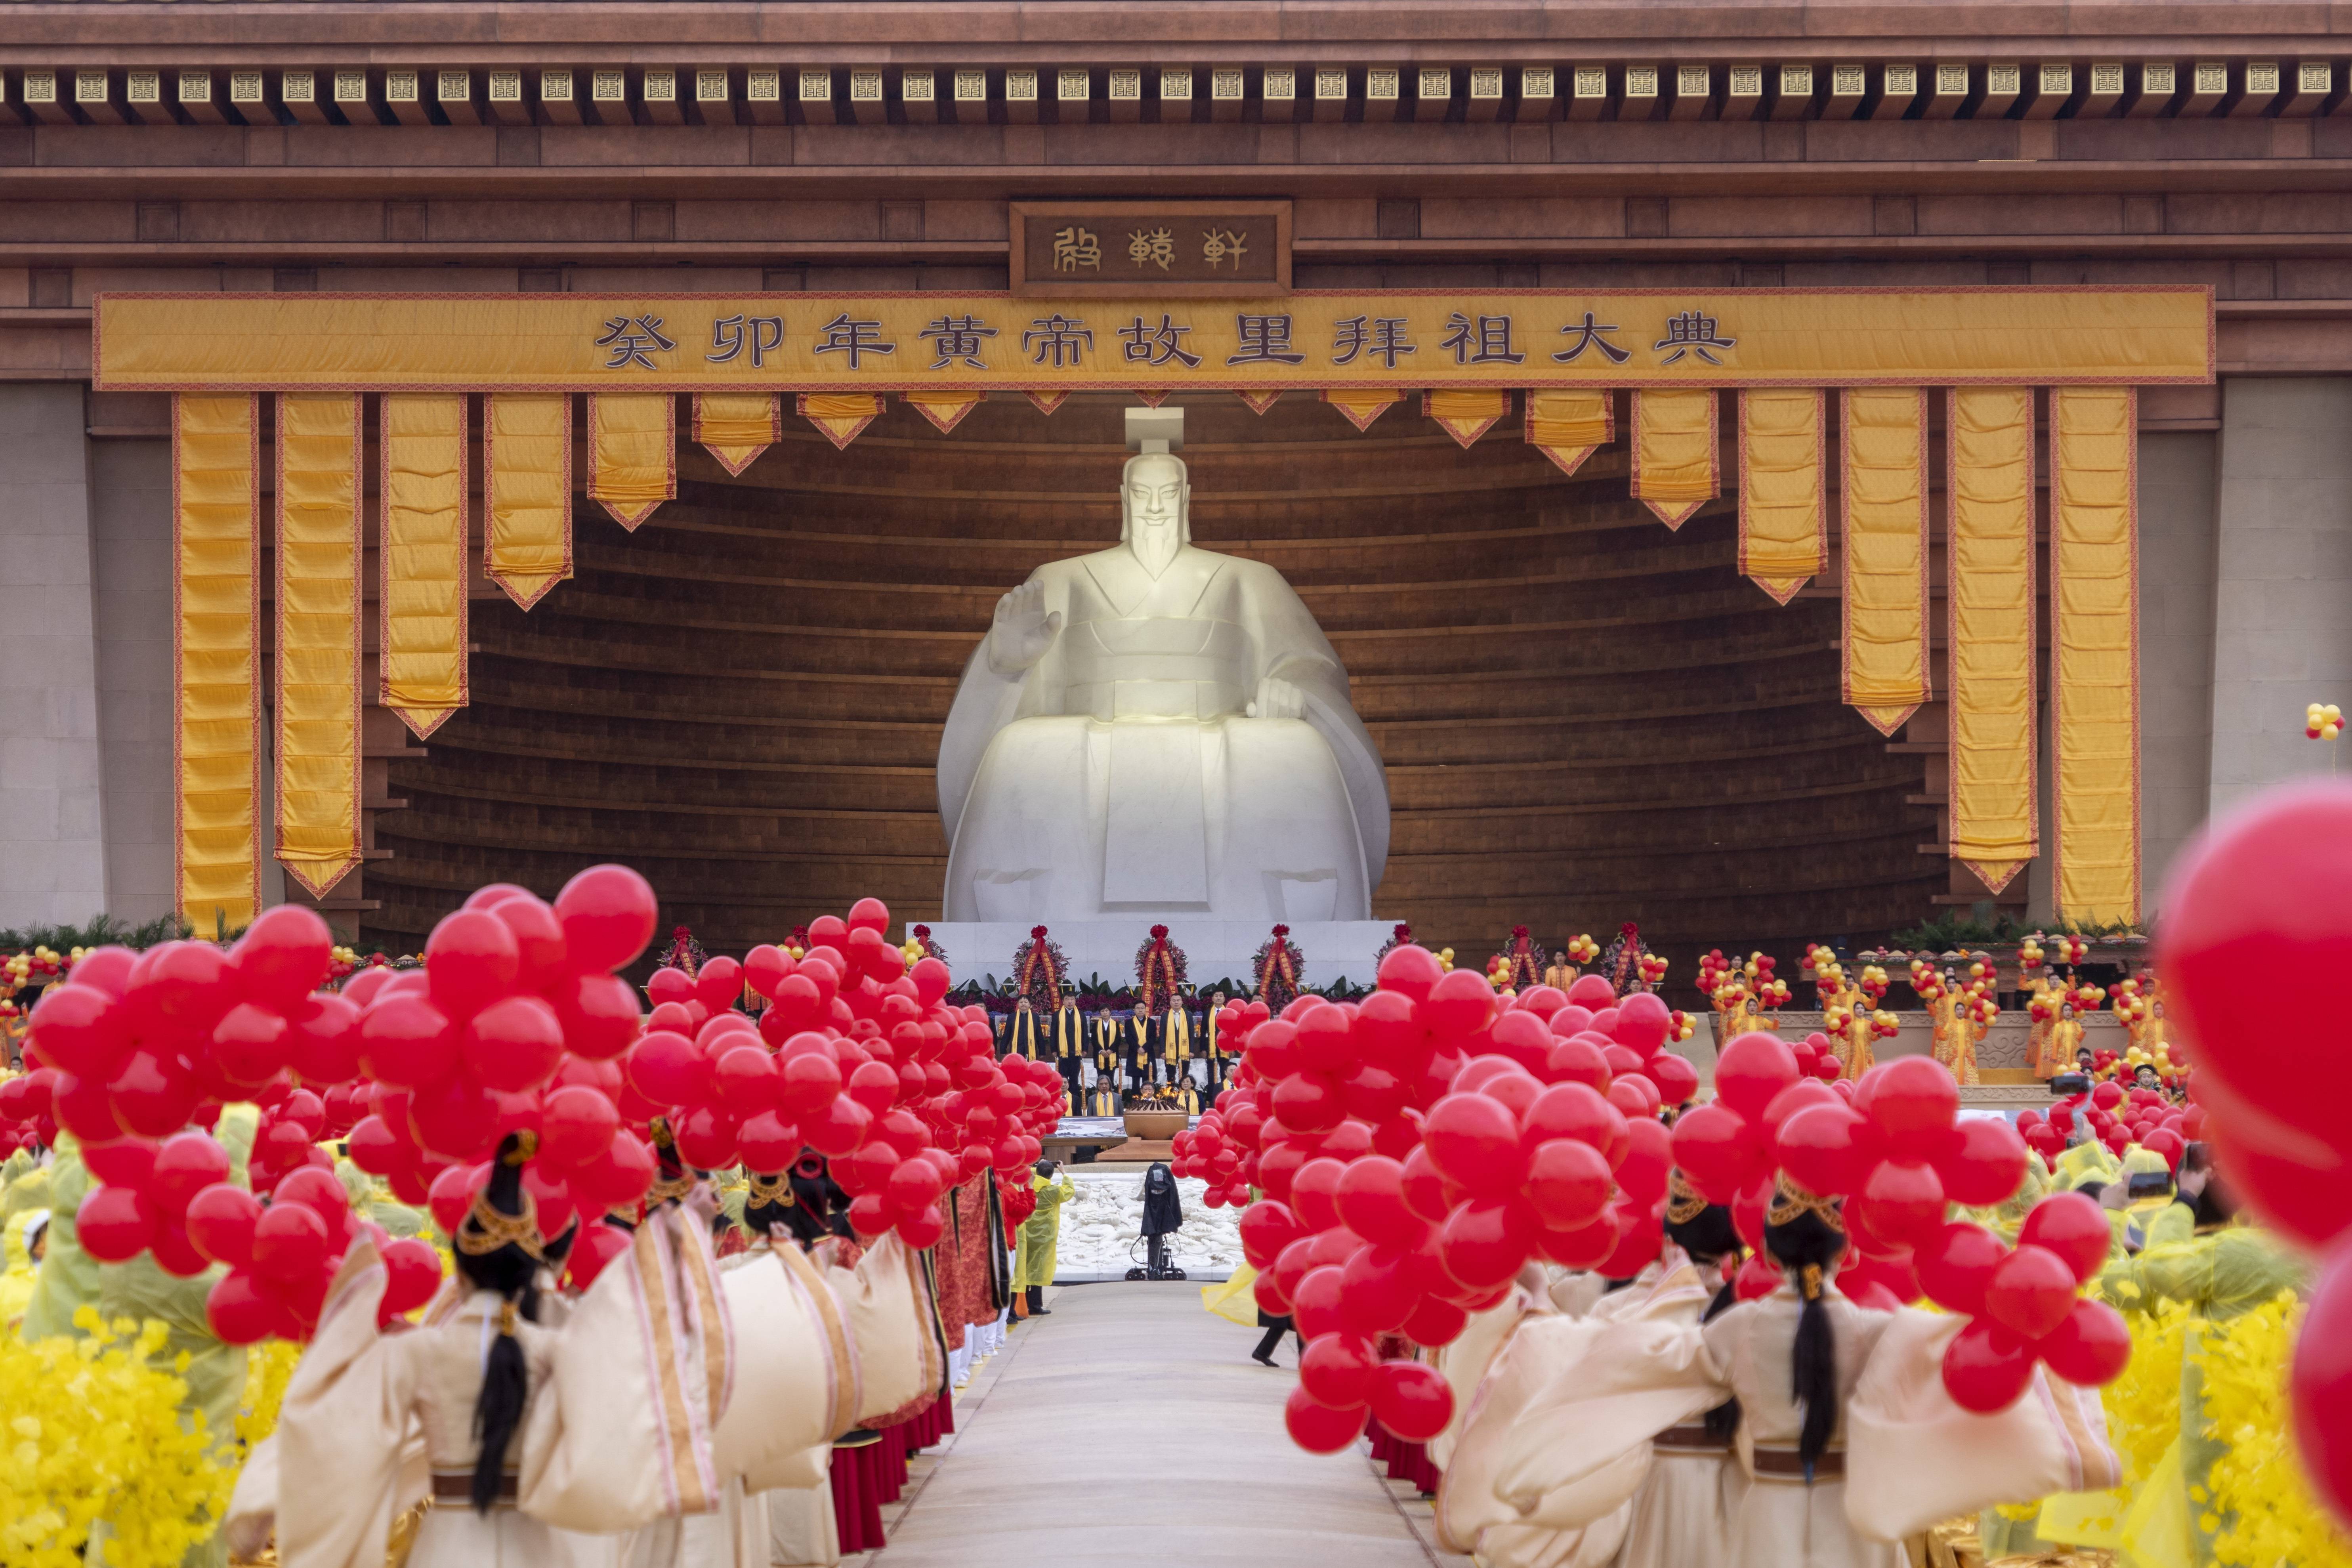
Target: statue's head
[[1155, 504]]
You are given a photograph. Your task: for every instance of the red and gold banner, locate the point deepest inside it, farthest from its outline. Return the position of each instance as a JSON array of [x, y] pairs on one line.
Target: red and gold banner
[[1678, 466], [632, 454], [2094, 652], [840, 416], [1359, 408], [1310, 341], [317, 728], [1989, 445], [216, 618], [1885, 659], [527, 493], [422, 658], [1465, 416], [737, 427], [1784, 529], [1569, 426]]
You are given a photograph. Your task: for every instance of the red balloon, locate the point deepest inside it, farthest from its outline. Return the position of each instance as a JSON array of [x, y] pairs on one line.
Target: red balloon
[[1411, 970], [1643, 1172], [1484, 1241], [767, 1142], [115, 1224], [155, 1092], [1568, 1183], [1318, 1429], [121, 1162], [1474, 1141], [284, 956], [600, 1014], [2031, 1291], [405, 1041], [1757, 1277], [837, 1128], [1435, 1322], [80, 1029], [2090, 1347], [576, 1126], [810, 1081], [669, 1070], [608, 915], [1985, 1367], [514, 1044], [1640, 1235], [1642, 1024], [239, 1311], [1716, 1149], [322, 1039], [1592, 991], [1752, 1071], [1910, 1098], [924, 1229], [2074, 1228], [1984, 1164], [174, 1253], [1954, 1268], [220, 1222], [412, 1274], [1380, 1289], [1335, 1369], [1587, 1245], [1458, 1005], [185, 1165], [1678, 1080], [1370, 1200], [470, 961], [2320, 1385], [1576, 1111], [1825, 1149], [1905, 1203]]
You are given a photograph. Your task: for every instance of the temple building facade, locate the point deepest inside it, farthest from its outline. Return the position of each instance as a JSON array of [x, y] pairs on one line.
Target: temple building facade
[[1771, 472]]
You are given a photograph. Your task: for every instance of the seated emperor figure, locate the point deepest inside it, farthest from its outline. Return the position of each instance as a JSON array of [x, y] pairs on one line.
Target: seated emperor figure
[[1158, 729]]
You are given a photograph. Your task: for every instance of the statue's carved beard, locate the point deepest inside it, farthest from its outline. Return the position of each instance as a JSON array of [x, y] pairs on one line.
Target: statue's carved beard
[[1156, 543]]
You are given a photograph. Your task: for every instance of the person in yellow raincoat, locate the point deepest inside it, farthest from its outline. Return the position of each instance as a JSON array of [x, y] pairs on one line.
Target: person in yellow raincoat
[[1041, 1234]]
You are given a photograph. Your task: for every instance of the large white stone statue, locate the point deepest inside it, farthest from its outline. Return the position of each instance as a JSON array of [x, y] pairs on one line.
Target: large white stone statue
[[1158, 729]]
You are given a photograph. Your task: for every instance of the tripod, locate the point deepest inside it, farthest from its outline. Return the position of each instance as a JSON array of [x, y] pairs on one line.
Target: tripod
[[1156, 1265]]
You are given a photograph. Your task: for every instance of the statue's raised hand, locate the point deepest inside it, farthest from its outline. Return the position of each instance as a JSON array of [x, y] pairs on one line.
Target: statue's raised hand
[[1277, 699], [1023, 628]]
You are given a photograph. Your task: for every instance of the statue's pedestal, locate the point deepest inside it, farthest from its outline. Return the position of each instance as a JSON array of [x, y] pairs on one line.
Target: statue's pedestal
[[1214, 950]]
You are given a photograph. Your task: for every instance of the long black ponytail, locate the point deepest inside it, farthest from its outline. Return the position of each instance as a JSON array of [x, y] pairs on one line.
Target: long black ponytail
[[498, 1248], [1709, 1235], [1807, 1235]]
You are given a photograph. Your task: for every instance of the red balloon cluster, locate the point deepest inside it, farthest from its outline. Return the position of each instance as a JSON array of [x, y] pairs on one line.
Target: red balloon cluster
[[2022, 1305], [510, 1026], [855, 1055], [2117, 1118], [2269, 891], [1419, 1148], [1210, 1152]]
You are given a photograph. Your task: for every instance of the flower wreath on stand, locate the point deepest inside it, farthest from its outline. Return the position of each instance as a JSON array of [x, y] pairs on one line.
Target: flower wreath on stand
[[1519, 966], [1275, 967], [922, 939], [1160, 972], [1037, 968], [684, 952], [1400, 937], [1628, 965]]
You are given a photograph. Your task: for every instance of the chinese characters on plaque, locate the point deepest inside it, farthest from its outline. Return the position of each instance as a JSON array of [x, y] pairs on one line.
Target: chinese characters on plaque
[[1020, 337], [1173, 249]]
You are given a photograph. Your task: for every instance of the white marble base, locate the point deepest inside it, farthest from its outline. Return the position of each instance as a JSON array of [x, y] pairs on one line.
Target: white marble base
[[1214, 950], [1102, 1229]]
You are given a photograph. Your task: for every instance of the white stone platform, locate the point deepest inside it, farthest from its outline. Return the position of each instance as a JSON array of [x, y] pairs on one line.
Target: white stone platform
[[1214, 950], [1102, 1229]]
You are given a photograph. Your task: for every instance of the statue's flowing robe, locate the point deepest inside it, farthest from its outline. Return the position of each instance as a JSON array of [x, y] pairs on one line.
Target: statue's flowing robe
[[1120, 774]]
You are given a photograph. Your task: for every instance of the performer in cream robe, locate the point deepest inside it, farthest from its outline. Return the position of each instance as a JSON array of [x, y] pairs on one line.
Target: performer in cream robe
[[1896, 1454], [607, 1420], [1157, 727]]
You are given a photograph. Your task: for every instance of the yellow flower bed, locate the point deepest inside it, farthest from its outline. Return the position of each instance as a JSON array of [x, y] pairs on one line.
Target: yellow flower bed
[[92, 1434]]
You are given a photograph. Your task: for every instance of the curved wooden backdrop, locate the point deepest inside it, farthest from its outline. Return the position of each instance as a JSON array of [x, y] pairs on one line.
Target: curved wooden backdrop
[[1586, 720]]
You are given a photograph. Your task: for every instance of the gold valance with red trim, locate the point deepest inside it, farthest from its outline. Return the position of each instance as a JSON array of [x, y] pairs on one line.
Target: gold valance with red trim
[[1312, 340]]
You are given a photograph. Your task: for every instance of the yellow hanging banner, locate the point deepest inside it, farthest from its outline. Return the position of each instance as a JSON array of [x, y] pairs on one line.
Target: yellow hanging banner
[[737, 427], [216, 615], [1310, 340], [1359, 408], [1885, 656], [423, 605], [839, 417], [318, 729], [1784, 530], [1988, 443], [2094, 652], [1678, 466], [1569, 426], [632, 454], [1465, 416], [527, 493], [945, 410]]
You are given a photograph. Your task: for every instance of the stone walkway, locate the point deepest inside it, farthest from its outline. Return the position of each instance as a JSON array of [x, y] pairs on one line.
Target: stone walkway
[[1131, 1426]]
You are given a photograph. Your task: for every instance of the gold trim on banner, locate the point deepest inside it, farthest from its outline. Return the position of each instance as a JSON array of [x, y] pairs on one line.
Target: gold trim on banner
[[1569, 426], [216, 618], [2094, 652], [1784, 527], [735, 428], [318, 707], [422, 658], [1259, 402], [1677, 456], [1046, 402], [1311, 340], [1883, 658], [527, 493], [1465, 416], [632, 454], [1989, 479], [945, 410], [840, 416], [1360, 409]]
